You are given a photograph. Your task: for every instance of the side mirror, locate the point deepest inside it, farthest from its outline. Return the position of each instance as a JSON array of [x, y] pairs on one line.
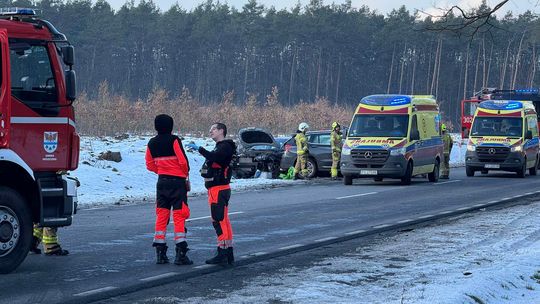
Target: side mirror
[[68, 55], [415, 135], [71, 85], [528, 135]]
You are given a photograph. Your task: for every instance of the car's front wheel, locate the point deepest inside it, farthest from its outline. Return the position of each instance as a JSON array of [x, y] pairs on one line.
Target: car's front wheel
[[311, 167]]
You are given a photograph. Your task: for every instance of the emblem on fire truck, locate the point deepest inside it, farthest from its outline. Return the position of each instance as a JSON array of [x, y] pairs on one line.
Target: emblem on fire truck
[[50, 141]]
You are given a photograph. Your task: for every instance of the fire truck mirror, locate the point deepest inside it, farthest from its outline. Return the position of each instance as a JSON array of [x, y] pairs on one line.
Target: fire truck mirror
[[68, 55], [71, 87]]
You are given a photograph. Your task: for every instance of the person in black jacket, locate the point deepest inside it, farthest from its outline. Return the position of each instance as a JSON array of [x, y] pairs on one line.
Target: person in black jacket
[[216, 172]]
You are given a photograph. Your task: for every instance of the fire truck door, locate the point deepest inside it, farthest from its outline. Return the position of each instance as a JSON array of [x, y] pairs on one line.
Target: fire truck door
[[5, 90]]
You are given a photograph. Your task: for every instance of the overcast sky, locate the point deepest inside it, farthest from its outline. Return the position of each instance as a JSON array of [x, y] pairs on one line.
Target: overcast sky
[[382, 6]]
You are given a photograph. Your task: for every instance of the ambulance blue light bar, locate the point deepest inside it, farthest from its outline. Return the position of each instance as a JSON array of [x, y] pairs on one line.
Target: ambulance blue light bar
[[17, 11], [501, 105], [528, 91], [386, 100]]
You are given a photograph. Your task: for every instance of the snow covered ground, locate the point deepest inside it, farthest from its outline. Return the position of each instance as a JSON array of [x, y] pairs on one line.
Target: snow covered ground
[[108, 182], [489, 257]]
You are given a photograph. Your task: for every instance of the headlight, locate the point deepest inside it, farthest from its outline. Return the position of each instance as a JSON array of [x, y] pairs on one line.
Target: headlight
[[346, 150], [398, 151], [471, 147], [517, 148]]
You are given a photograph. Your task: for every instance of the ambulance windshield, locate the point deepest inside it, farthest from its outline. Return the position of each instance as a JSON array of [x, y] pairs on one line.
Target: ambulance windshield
[[379, 125], [497, 126]]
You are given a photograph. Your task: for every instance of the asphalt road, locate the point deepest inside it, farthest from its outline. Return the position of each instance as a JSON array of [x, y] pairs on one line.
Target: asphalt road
[[111, 247]]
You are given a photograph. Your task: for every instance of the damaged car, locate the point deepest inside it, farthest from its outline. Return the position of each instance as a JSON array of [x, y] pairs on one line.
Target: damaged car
[[256, 150]]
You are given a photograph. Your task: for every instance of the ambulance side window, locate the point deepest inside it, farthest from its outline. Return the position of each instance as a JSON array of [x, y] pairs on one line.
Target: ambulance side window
[[532, 125], [414, 124]]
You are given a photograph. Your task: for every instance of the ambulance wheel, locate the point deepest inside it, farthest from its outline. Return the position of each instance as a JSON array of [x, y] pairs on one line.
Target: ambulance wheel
[[523, 171], [378, 179], [469, 171], [434, 176], [15, 230], [347, 180], [534, 170], [406, 179]]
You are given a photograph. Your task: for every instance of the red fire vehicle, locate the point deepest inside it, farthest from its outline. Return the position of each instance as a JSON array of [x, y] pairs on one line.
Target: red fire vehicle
[[39, 143]]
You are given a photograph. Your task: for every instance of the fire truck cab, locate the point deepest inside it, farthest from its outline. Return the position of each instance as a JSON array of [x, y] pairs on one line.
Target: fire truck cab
[[39, 143]]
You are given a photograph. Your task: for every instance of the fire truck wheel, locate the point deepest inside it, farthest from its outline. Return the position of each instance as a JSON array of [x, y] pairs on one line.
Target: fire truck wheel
[[15, 229]]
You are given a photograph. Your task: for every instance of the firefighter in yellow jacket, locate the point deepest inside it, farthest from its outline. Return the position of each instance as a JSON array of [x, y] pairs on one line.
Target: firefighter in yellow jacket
[[302, 151], [49, 237], [447, 146], [336, 143]]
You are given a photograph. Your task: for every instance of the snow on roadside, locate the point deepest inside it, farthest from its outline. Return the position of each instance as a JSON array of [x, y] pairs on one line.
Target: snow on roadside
[[108, 182], [488, 257]]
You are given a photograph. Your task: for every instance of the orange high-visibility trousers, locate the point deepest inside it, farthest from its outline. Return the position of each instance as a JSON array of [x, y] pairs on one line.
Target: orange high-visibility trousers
[[218, 199], [171, 193]]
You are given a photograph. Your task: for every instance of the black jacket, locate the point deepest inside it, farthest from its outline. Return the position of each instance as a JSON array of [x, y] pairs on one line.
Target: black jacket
[[216, 170]]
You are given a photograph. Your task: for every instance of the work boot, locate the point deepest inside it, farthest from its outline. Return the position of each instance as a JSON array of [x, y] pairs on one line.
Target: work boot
[[181, 257], [35, 246], [57, 250], [161, 254], [230, 256], [295, 176], [221, 258]]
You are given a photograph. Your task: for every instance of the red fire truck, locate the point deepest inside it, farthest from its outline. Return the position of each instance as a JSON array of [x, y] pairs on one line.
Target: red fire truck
[[468, 106], [39, 143]]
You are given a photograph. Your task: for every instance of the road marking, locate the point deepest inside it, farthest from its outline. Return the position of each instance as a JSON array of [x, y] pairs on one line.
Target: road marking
[[425, 216], [203, 266], [517, 196], [164, 275], [447, 182], [94, 291], [259, 253], [478, 205], [356, 195], [504, 199], [207, 217], [492, 202], [326, 239], [291, 246], [462, 208], [529, 193], [355, 232], [381, 226], [244, 257], [405, 221], [445, 212]]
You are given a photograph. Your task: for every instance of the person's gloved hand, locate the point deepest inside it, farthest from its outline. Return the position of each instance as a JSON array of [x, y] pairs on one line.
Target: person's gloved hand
[[193, 146]]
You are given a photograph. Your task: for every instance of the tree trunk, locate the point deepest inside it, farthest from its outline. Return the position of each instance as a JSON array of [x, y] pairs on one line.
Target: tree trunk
[[413, 71], [291, 80], [476, 69], [391, 70], [336, 100], [466, 75], [318, 73], [504, 67], [402, 67], [518, 56], [489, 65]]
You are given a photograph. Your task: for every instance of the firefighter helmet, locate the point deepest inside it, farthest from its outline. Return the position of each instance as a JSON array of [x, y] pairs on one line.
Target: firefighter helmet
[[443, 127], [303, 127], [335, 125]]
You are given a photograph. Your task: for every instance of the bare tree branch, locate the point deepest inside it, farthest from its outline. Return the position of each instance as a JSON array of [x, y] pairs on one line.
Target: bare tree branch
[[456, 20]]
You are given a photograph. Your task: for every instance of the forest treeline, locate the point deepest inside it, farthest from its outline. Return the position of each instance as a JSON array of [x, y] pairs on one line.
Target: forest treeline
[[336, 52]]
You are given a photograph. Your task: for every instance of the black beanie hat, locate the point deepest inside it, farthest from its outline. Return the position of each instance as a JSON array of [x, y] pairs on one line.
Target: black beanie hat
[[163, 124]]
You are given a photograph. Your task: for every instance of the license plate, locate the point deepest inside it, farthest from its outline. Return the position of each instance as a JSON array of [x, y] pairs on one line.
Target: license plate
[[492, 166], [245, 160], [368, 172]]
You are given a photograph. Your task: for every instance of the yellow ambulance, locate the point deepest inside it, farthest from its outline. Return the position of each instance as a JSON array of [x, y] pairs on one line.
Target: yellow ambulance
[[393, 136], [504, 136]]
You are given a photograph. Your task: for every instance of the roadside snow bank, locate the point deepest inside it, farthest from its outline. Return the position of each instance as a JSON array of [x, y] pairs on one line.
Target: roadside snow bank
[[108, 182], [488, 257]]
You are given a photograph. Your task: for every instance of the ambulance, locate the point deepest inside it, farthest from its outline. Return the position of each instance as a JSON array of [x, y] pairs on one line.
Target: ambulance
[[393, 136], [504, 136]]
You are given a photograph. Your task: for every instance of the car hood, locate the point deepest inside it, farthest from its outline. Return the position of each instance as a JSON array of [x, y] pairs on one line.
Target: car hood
[[257, 138]]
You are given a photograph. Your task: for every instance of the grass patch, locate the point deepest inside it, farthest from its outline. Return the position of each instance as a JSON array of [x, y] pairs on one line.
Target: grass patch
[[536, 277]]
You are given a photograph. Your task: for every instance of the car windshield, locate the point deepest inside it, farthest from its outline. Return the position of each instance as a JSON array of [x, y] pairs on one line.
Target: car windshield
[[497, 126], [379, 125]]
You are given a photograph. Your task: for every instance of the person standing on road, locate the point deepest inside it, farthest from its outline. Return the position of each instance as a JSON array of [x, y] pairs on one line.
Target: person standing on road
[[166, 157], [447, 149], [49, 237], [217, 173], [302, 151], [336, 143]]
